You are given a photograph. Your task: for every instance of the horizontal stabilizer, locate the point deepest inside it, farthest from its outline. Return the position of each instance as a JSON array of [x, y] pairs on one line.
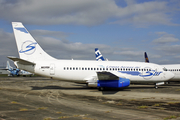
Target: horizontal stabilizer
[[21, 61]]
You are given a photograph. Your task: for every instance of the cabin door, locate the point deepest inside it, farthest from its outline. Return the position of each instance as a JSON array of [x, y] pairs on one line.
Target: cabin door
[[52, 69]]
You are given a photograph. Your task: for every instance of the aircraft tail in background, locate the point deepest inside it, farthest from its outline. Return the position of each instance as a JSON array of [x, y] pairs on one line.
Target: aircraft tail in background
[[146, 57], [8, 67], [98, 55]]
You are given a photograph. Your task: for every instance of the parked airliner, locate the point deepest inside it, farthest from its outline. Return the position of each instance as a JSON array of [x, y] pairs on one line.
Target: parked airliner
[[174, 68], [16, 72], [100, 74], [99, 57]]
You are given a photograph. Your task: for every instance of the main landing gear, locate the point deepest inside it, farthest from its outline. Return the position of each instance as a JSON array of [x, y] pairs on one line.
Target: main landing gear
[[156, 87], [100, 88]]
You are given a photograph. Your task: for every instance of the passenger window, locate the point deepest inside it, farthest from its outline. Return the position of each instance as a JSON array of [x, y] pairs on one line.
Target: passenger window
[[67, 68], [64, 68], [82, 68], [76, 68]]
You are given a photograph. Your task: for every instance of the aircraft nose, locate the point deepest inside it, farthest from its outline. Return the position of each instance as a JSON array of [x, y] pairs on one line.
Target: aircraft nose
[[170, 75]]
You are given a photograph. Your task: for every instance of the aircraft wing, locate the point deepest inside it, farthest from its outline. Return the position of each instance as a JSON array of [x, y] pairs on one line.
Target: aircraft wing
[[113, 75], [21, 61]]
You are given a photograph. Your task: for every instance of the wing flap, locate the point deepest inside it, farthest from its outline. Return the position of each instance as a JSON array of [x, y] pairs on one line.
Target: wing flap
[[109, 75]]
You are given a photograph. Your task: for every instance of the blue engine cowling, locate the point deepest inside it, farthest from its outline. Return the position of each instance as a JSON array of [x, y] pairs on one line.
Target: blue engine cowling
[[122, 82]]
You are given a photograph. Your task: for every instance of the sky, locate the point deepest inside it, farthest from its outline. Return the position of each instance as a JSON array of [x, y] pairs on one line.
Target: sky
[[71, 29]]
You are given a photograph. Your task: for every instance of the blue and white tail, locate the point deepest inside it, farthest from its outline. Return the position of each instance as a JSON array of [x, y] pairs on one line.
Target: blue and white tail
[[8, 66], [98, 55], [28, 48]]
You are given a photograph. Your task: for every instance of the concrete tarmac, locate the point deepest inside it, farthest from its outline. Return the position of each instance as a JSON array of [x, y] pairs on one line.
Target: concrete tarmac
[[39, 98]]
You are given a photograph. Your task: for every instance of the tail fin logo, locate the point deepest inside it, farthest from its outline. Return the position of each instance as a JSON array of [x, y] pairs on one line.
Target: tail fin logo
[[28, 47], [98, 55], [22, 30]]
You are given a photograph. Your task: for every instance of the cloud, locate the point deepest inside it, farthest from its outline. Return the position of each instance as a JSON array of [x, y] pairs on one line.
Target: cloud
[[7, 46], [130, 53], [47, 33], [145, 14], [80, 12], [62, 48], [169, 49], [165, 38], [86, 12]]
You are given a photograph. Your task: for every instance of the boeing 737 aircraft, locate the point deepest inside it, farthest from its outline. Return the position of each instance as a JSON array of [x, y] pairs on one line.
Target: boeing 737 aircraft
[[174, 68], [100, 74], [99, 57]]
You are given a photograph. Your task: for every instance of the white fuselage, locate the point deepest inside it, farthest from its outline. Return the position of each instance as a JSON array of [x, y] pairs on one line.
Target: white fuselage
[[175, 69], [81, 71]]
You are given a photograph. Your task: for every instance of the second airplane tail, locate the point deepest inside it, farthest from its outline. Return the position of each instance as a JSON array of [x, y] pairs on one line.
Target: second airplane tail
[[146, 57]]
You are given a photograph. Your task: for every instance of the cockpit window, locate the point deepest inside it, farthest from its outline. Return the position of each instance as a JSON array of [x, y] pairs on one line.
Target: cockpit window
[[164, 69]]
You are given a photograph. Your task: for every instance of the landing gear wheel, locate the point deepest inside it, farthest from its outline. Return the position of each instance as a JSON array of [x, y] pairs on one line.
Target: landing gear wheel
[[156, 87], [100, 88]]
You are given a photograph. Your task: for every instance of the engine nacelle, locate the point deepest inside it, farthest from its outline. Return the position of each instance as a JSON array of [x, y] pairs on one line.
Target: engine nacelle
[[122, 82]]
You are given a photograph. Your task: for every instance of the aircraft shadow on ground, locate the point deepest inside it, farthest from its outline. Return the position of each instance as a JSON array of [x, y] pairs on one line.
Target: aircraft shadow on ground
[[58, 87], [159, 87], [108, 91], [111, 91]]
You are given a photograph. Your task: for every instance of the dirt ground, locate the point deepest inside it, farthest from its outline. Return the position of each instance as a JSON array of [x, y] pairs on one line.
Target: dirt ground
[[39, 98]]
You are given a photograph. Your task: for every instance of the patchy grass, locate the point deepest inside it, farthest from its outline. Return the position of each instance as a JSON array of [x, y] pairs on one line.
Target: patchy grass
[[172, 103], [156, 105], [119, 103], [76, 115], [47, 118], [142, 107], [42, 108], [133, 100], [58, 112], [171, 117], [107, 111], [162, 108], [86, 118], [62, 117], [14, 102], [177, 89], [145, 98], [23, 109]]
